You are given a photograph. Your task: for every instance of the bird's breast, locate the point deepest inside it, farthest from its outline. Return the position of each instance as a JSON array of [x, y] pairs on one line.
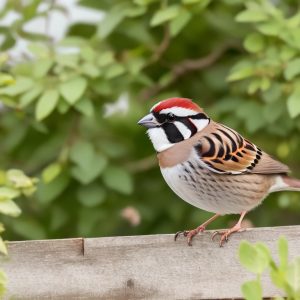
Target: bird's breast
[[213, 192]]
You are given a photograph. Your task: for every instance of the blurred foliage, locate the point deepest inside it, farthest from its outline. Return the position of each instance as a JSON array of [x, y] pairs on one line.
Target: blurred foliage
[[285, 275], [13, 184], [69, 115]]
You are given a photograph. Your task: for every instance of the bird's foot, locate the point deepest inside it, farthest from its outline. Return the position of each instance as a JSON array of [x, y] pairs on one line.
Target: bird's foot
[[226, 233], [189, 234]]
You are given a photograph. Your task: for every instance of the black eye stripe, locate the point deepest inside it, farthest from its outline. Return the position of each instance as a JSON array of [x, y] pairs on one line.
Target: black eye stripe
[[161, 118], [172, 133]]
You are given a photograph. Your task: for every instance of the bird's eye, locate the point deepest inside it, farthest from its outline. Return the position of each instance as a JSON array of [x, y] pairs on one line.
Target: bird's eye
[[170, 117]]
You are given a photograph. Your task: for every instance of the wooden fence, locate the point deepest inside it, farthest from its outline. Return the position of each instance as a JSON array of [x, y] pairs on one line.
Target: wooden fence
[[136, 267]]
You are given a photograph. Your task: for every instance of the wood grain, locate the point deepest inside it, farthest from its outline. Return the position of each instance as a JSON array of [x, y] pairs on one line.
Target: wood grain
[[136, 267]]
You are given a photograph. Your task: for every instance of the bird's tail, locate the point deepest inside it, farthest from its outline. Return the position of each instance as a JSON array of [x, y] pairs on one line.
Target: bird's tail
[[285, 183], [293, 183]]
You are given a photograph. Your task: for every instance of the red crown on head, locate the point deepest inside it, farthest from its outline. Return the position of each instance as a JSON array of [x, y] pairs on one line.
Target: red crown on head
[[176, 102]]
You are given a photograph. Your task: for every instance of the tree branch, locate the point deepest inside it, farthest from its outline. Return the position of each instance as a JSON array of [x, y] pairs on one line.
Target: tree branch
[[186, 66]]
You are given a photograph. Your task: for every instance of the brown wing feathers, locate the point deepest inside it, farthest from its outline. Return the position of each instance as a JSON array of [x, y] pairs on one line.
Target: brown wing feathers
[[226, 151]]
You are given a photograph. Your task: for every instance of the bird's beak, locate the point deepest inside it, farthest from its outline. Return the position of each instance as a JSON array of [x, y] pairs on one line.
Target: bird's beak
[[148, 121]]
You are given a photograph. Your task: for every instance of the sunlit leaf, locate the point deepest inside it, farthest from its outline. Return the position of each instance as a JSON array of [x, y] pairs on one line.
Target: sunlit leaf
[[10, 208], [292, 69], [254, 42], [283, 252], [85, 106], [7, 193], [46, 104], [252, 259], [177, 24], [251, 16], [3, 248], [164, 15], [293, 103], [293, 276], [73, 89], [51, 172], [252, 290]]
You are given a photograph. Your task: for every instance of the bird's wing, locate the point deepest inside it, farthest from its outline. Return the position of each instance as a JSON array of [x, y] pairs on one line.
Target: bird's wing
[[224, 151]]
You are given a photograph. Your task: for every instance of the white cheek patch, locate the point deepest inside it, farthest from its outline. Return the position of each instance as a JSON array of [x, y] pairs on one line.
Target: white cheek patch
[[159, 139], [200, 123], [179, 111], [186, 133]]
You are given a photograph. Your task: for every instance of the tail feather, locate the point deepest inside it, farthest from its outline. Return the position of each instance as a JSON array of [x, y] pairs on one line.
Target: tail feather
[[285, 183], [293, 183]]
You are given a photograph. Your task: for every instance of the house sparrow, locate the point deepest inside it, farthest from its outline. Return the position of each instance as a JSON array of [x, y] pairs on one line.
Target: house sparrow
[[211, 166]]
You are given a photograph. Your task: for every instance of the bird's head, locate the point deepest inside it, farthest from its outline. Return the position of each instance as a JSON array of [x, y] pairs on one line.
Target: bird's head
[[172, 121]]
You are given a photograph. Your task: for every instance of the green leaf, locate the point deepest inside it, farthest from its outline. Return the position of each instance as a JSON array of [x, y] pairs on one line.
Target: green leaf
[[270, 28], [30, 96], [254, 42], [111, 20], [91, 195], [59, 217], [89, 172], [7, 193], [47, 193], [105, 58], [292, 69], [253, 259], [63, 106], [240, 74], [90, 70], [82, 153], [2, 229], [177, 24], [191, 1], [22, 84], [135, 11], [9, 208], [41, 67], [3, 248], [114, 71], [293, 276], [6, 79], [283, 252], [39, 50], [89, 163], [3, 282], [68, 60], [293, 103], [144, 2], [29, 229], [18, 179], [72, 90], [164, 15], [118, 179], [252, 290], [251, 16], [51, 172], [85, 106], [88, 218], [46, 104]]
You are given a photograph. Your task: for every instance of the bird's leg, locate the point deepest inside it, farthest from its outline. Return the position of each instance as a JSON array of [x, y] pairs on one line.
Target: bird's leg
[[191, 233], [226, 233]]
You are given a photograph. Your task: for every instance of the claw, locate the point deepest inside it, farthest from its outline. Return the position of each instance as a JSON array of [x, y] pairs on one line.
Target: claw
[[178, 233], [189, 234]]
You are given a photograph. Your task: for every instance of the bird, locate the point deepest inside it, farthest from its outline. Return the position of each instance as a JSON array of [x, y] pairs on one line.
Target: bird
[[211, 166]]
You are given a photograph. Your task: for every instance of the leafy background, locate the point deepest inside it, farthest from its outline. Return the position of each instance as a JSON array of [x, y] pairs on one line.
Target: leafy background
[[69, 107]]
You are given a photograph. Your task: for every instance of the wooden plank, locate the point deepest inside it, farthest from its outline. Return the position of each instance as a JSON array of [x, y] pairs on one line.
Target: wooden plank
[[136, 267]]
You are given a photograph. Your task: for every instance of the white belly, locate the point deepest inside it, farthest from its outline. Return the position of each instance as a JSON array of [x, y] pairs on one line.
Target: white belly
[[205, 190]]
